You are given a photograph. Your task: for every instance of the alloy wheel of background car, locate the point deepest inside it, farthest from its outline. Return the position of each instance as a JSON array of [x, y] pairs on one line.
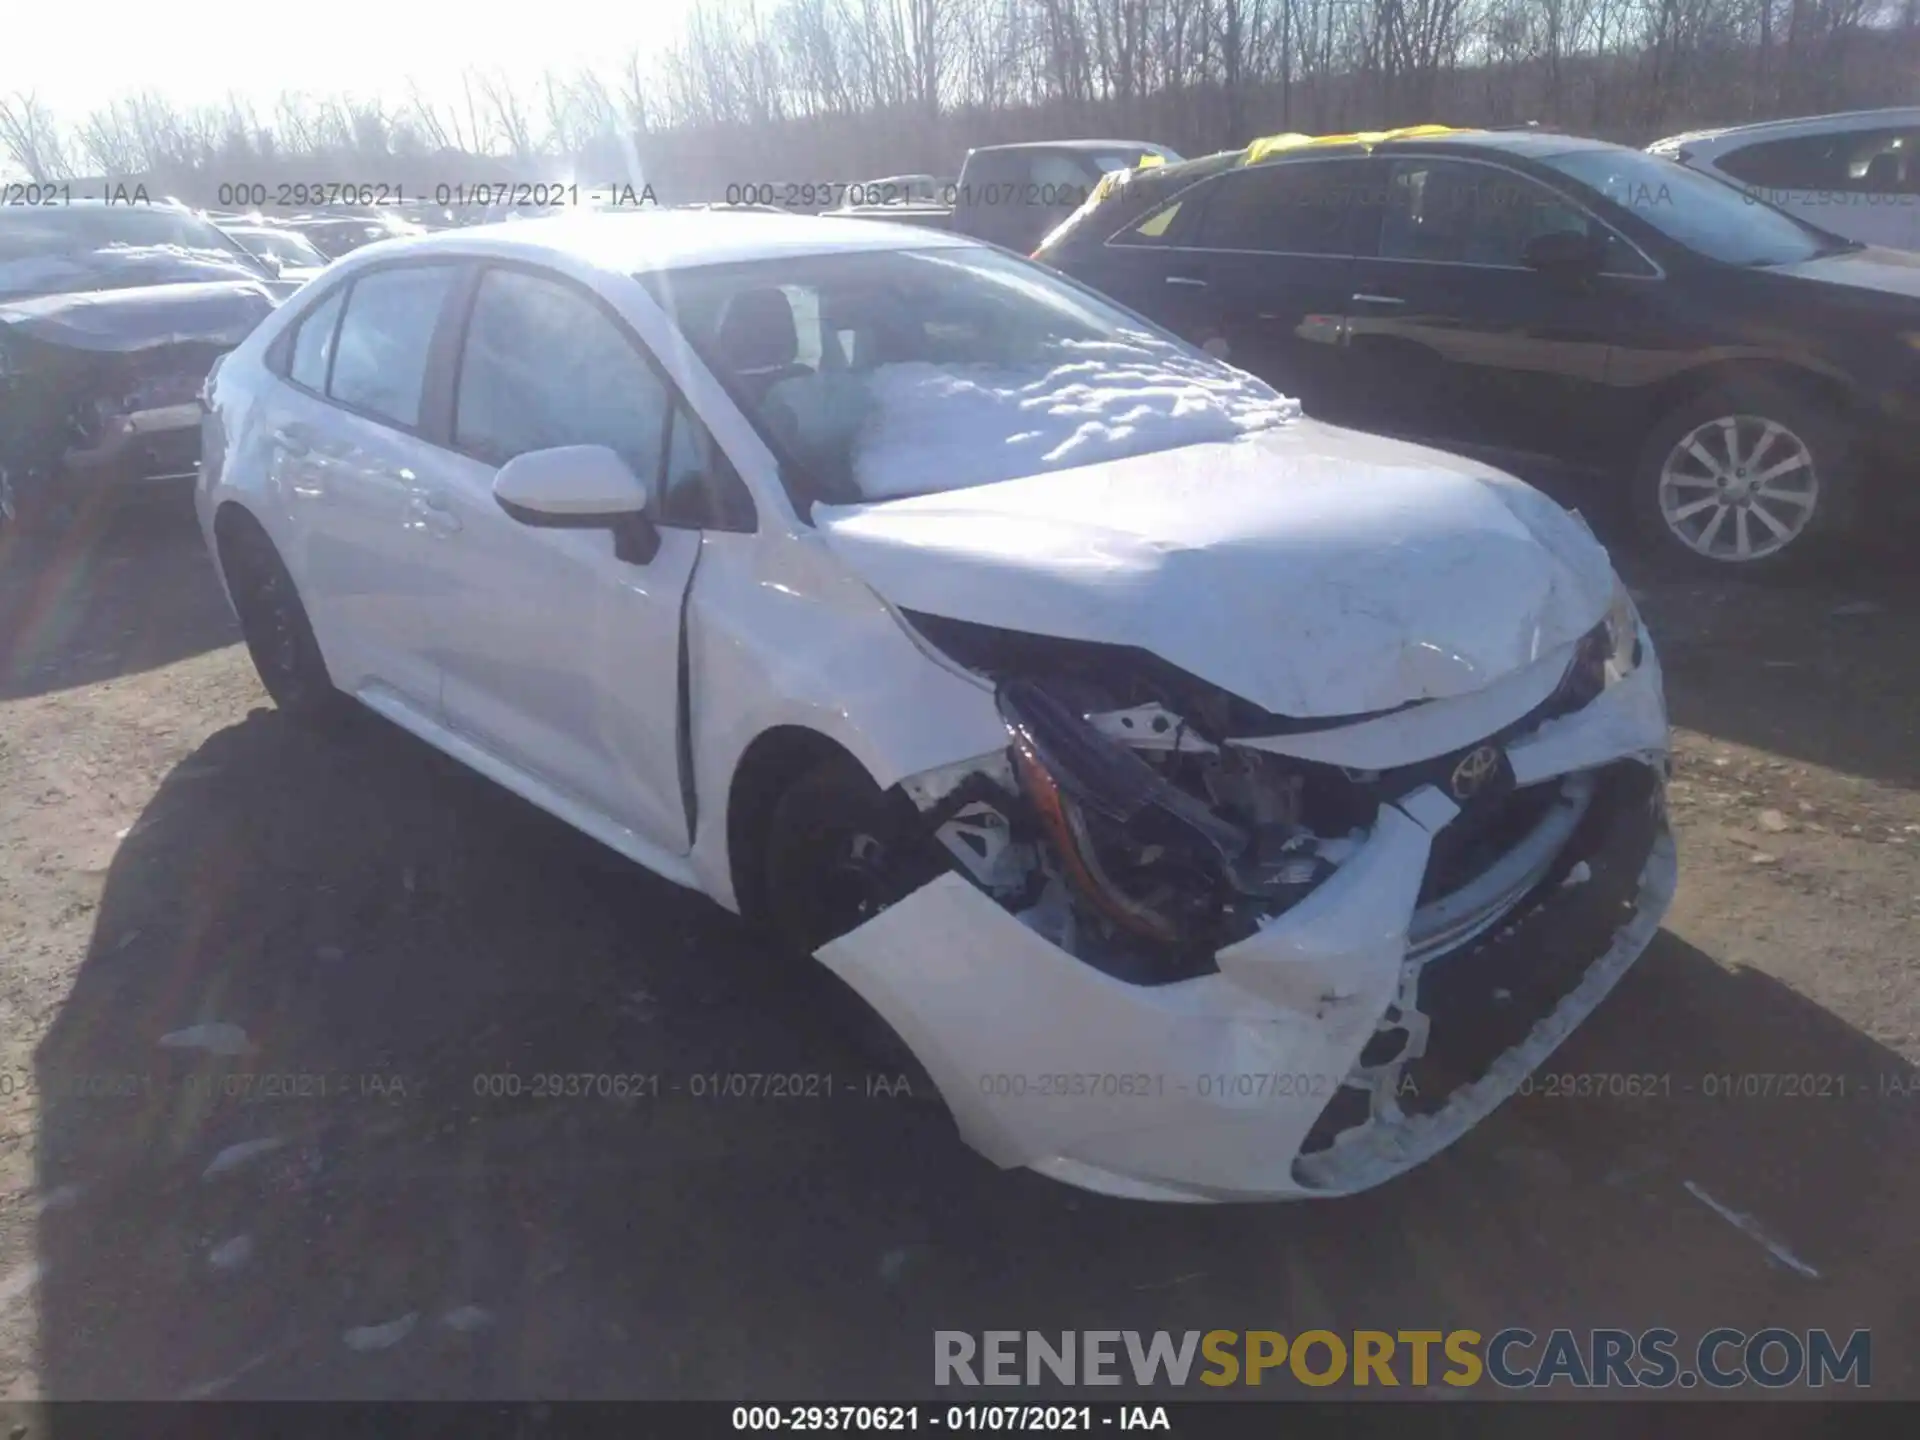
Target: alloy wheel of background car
[[1750, 478], [1739, 488]]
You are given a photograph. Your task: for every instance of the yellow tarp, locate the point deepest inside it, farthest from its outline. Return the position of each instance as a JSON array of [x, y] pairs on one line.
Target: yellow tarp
[[1274, 144]]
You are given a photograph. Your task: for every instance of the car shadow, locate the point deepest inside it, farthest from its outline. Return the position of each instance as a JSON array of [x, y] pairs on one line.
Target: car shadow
[[293, 1140], [122, 592]]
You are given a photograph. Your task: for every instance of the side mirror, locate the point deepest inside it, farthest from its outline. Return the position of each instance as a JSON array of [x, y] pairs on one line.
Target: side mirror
[[581, 487], [1562, 252]]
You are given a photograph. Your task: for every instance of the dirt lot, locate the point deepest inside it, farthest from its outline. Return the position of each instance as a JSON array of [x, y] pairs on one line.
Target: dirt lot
[[172, 855]]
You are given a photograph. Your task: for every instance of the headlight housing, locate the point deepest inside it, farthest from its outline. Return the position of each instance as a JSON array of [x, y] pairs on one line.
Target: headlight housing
[[1623, 634]]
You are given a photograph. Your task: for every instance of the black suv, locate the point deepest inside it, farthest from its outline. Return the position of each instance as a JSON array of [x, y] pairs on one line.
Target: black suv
[[1534, 296]]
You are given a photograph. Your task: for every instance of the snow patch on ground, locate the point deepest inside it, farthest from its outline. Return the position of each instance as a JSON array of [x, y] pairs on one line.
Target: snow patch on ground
[[918, 427]]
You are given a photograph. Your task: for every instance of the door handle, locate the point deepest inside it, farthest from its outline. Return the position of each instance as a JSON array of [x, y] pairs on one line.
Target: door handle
[[1364, 298], [292, 440], [1191, 280]]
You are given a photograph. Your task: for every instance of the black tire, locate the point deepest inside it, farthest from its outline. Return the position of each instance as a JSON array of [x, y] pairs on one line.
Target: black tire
[[839, 850], [1824, 482], [279, 637]]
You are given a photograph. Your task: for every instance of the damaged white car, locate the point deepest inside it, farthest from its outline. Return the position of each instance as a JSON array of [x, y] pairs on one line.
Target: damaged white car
[[1218, 804]]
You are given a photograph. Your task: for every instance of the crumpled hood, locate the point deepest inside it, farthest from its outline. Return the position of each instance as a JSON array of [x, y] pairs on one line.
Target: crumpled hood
[[1313, 571]]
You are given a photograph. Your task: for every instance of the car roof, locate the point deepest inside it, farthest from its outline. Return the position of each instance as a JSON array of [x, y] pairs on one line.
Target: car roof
[[1528, 144], [1794, 125], [1069, 145], [642, 240]]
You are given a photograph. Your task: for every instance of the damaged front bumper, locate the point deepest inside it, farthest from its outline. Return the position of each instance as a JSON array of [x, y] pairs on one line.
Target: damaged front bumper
[[1350, 1038]]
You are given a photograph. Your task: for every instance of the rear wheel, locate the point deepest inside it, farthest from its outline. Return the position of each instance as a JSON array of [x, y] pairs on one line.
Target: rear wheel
[[1748, 479], [839, 850], [274, 624]]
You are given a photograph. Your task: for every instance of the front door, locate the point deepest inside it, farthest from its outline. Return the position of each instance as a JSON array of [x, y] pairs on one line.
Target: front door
[[1255, 265], [556, 655], [1457, 339]]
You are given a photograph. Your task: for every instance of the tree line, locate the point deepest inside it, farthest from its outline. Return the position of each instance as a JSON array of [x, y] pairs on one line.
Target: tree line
[[839, 90]]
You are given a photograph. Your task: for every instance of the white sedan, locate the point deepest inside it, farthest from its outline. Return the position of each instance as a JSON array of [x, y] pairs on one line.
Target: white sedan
[[1217, 804]]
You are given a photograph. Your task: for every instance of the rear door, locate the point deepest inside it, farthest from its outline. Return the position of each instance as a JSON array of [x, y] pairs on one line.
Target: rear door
[[1454, 338], [1863, 183], [1256, 265], [344, 432]]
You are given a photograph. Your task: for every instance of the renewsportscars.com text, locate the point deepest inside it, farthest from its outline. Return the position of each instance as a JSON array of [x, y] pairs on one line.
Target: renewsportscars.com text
[[1512, 1358]]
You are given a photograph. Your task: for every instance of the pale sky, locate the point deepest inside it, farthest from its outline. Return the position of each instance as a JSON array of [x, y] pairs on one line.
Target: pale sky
[[78, 55]]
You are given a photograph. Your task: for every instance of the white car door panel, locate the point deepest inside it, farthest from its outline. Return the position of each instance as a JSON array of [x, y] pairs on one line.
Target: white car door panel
[[571, 671], [554, 654], [351, 466]]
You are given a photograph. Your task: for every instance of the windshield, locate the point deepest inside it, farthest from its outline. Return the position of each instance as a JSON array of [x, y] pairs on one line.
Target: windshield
[[1706, 215], [281, 245], [888, 373]]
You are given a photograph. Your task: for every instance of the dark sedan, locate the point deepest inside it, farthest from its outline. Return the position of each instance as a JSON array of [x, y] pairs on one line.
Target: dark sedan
[[1754, 379]]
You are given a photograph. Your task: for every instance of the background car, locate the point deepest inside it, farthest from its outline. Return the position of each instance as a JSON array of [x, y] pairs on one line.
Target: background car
[[1012, 195], [1554, 302], [110, 318], [291, 255], [1856, 174], [340, 233]]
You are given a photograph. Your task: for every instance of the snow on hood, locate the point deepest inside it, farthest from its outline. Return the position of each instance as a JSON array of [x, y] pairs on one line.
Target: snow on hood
[[212, 313], [1314, 571], [916, 427]]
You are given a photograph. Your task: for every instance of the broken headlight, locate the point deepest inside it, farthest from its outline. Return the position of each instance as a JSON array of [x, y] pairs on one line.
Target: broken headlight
[[1622, 634]]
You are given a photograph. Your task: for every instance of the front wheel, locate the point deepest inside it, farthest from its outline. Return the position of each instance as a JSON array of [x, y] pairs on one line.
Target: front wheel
[[1747, 479], [839, 850]]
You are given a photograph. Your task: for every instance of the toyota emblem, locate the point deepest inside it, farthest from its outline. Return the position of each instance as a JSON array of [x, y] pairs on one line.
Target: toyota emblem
[[1475, 769]]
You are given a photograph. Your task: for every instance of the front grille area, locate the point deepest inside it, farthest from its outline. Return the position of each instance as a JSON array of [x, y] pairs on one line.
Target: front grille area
[[1484, 999]]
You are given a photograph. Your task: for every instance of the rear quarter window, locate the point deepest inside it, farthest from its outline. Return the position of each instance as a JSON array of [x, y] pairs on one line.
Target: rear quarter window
[[312, 349]]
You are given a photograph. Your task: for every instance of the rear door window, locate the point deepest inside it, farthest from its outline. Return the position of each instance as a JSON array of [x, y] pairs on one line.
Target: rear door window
[[380, 355], [1305, 208]]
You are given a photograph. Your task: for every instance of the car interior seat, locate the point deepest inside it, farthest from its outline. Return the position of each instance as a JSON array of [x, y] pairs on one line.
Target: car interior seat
[[758, 341]]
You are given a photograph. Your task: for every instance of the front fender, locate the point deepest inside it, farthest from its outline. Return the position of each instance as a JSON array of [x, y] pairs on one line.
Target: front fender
[[778, 634]]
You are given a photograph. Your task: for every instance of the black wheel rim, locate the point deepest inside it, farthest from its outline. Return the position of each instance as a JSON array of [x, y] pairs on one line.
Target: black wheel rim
[[853, 885], [278, 646]]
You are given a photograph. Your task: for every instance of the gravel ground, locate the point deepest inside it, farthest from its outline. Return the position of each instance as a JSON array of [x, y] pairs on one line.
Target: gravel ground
[[173, 856]]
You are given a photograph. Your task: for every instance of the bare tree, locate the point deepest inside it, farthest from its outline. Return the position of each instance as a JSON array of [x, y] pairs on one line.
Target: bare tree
[[32, 138]]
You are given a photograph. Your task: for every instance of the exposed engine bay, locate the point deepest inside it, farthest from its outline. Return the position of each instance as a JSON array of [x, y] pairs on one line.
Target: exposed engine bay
[[1177, 906], [1132, 824]]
